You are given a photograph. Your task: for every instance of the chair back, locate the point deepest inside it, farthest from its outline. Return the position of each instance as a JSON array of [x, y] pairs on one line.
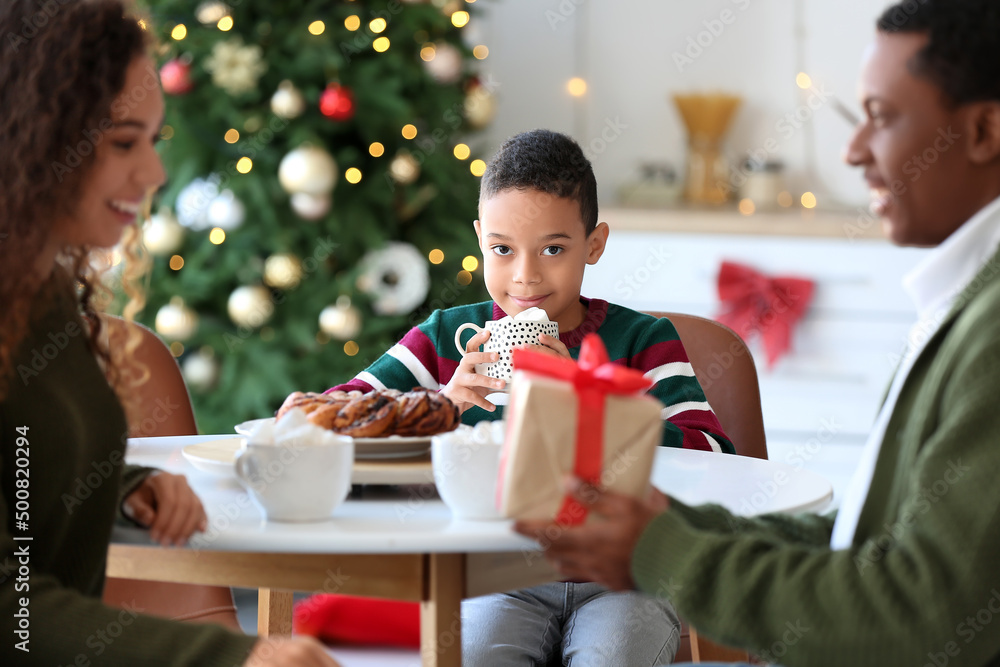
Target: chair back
[[725, 368]]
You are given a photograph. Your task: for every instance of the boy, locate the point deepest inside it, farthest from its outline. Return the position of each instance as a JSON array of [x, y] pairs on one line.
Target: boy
[[538, 230]]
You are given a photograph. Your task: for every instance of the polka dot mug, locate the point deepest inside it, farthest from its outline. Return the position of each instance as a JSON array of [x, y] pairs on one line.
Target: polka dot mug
[[505, 335]]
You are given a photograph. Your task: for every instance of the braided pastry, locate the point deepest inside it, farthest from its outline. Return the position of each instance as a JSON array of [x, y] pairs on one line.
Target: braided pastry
[[379, 413]]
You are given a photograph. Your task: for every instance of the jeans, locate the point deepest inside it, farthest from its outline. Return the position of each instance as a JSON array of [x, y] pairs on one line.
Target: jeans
[[583, 625]]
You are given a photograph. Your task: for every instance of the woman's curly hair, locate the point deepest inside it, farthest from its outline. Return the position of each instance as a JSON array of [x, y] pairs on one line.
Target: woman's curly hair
[[62, 64]]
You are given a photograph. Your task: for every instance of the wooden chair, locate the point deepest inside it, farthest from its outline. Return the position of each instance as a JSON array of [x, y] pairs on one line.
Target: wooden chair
[[725, 368], [165, 408]]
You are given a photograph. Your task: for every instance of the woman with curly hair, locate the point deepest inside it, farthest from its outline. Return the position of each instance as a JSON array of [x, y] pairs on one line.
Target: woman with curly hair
[[82, 111]]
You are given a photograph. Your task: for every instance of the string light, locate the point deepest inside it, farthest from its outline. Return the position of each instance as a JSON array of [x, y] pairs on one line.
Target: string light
[[428, 52], [225, 24], [376, 150], [167, 133], [785, 199], [179, 32], [747, 207], [177, 348], [462, 151], [142, 24], [409, 131], [352, 23], [377, 25], [576, 86], [803, 81], [351, 348], [470, 263], [244, 165], [353, 175], [217, 236], [464, 277], [477, 167], [435, 256], [322, 338], [317, 28], [381, 44], [232, 136], [808, 200], [460, 19], [480, 51], [176, 262]]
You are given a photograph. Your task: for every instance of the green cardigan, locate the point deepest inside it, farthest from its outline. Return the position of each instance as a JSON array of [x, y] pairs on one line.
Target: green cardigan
[[921, 583], [62, 442]]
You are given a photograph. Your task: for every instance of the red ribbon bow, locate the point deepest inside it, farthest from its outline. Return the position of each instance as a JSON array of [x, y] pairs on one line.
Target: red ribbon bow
[[593, 377], [760, 304]]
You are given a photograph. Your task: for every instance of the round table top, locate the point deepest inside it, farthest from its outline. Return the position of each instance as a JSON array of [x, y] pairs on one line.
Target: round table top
[[412, 519]]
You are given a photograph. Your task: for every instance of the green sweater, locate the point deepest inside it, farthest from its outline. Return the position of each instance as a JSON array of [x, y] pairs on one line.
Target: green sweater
[[62, 442], [921, 583]]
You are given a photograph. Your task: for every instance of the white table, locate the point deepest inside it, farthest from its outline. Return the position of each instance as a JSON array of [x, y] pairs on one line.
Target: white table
[[405, 545]]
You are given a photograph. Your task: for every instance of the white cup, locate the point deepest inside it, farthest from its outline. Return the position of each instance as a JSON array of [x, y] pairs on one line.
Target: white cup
[[296, 482], [466, 468], [505, 335]]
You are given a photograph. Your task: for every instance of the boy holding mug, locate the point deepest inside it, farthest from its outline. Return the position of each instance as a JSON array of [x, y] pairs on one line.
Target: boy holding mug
[[538, 230]]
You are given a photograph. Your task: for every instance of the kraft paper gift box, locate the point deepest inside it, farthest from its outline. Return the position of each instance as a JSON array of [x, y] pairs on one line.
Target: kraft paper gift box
[[590, 418]]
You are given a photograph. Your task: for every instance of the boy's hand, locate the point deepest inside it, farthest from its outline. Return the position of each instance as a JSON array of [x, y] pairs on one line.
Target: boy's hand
[[549, 345], [467, 387]]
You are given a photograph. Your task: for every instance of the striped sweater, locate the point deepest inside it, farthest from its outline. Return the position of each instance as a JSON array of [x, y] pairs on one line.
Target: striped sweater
[[426, 357]]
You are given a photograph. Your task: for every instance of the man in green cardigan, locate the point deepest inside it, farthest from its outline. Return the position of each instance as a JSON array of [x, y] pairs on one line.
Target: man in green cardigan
[[907, 572]]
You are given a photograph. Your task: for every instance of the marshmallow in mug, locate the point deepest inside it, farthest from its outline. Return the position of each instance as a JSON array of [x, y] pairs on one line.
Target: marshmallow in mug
[[506, 334]]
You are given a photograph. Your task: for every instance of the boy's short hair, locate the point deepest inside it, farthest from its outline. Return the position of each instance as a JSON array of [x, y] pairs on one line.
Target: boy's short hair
[[546, 161], [962, 56]]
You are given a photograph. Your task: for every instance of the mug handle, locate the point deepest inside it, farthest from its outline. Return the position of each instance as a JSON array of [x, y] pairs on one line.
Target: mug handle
[[241, 464], [458, 335]]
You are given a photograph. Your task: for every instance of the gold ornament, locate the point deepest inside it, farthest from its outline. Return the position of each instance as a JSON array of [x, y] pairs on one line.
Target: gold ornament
[[282, 271], [308, 169], [250, 306], [480, 107], [311, 207], [404, 168], [342, 321], [176, 321], [288, 102], [162, 234]]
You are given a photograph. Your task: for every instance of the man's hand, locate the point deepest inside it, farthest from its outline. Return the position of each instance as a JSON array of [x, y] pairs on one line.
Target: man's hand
[[600, 550], [168, 507], [289, 652], [467, 387]]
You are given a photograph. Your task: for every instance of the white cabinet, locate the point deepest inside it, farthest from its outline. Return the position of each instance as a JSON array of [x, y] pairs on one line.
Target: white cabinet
[[819, 400]]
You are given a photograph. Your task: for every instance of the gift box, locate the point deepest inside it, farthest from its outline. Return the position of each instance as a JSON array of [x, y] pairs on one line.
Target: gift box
[[589, 418]]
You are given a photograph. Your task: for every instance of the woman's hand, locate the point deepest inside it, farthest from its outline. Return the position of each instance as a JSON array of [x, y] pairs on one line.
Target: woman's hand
[[467, 387], [289, 652], [168, 507]]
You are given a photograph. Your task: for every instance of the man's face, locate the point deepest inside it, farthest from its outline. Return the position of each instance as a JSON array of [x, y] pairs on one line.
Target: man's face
[[910, 146], [535, 248]]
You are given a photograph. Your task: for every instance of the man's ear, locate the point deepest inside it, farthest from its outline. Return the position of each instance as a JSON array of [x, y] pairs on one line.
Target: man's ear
[[597, 242], [984, 132]]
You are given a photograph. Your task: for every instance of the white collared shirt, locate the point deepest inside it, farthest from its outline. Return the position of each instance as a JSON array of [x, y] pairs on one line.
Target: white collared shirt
[[934, 285]]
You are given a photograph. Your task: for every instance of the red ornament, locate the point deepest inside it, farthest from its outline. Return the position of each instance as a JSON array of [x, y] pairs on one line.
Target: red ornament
[[176, 78], [337, 102]]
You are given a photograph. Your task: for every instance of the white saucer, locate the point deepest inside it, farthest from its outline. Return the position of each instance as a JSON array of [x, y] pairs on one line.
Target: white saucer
[[215, 456]]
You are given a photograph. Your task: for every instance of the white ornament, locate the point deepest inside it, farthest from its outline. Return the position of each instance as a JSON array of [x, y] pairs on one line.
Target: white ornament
[[236, 68], [194, 201], [200, 371], [250, 306], [342, 321], [308, 169], [288, 102], [446, 65], [282, 271], [311, 207], [211, 12], [397, 277], [176, 321], [226, 211], [162, 234]]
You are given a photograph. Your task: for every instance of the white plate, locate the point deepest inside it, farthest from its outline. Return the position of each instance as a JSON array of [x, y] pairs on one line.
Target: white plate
[[246, 427], [393, 447], [215, 456]]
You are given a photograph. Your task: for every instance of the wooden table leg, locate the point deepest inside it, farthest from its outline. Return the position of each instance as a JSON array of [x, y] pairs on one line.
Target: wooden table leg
[[441, 611], [274, 612]]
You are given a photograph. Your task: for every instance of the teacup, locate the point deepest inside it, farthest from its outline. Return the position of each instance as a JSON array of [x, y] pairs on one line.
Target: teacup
[[294, 481], [465, 465], [505, 335]]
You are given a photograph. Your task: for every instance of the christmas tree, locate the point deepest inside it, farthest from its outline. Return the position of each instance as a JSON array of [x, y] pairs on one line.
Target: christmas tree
[[320, 196]]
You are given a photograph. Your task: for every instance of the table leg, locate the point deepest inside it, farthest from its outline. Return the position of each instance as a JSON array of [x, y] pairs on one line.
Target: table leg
[[274, 612], [441, 611]]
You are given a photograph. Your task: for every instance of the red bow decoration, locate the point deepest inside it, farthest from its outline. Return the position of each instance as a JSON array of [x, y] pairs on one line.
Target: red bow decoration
[[760, 304], [593, 377]]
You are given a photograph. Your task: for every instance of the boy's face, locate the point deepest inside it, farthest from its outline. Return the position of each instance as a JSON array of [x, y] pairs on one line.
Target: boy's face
[[535, 248], [911, 146]]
